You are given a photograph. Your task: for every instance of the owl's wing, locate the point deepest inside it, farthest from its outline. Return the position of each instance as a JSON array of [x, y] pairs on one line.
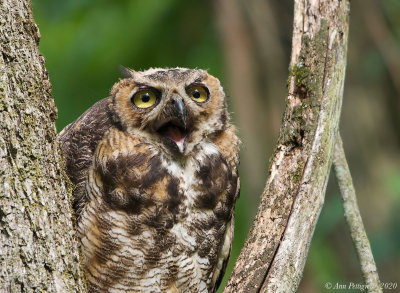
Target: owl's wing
[[225, 252], [79, 141]]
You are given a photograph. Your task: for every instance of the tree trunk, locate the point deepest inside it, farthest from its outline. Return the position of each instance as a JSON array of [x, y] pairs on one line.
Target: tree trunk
[[274, 255], [38, 249]]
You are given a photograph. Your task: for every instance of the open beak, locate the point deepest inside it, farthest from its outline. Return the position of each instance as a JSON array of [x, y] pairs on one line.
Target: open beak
[[174, 129]]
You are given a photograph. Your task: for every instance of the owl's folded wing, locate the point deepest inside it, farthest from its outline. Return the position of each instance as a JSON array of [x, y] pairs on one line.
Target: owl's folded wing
[[79, 141], [226, 248]]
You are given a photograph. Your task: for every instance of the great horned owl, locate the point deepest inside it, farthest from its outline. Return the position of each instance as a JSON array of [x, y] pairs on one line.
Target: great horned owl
[[155, 173]]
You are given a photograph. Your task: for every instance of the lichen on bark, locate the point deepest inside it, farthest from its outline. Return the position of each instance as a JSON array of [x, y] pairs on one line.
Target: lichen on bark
[[38, 249]]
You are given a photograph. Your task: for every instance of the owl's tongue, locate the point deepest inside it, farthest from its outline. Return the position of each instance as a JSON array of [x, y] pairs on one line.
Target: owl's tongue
[[176, 134]]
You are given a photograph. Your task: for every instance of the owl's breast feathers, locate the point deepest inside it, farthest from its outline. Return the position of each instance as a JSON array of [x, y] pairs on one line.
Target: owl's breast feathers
[[147, 221]]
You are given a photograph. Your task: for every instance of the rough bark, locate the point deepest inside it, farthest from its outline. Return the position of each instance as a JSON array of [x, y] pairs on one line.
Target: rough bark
[[38, 249], [275, 252]]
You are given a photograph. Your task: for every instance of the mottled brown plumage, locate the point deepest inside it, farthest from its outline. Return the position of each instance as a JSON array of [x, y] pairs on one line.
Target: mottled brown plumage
[[155, 173]]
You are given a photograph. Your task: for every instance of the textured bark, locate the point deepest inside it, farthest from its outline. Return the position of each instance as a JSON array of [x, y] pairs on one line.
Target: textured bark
[[38, 249], [275, 252]]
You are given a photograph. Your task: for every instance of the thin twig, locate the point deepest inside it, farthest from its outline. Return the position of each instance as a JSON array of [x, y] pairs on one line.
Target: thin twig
[[353, 218]]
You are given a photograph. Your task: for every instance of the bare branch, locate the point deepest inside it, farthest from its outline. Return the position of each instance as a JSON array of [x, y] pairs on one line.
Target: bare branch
[[274, 255], [353, 218]]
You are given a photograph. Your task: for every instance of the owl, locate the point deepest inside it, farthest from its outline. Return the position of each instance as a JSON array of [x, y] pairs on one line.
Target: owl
[[154, 168]]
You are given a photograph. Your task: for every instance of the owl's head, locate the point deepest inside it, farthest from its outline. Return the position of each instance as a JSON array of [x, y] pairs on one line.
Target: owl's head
[[177, 108]]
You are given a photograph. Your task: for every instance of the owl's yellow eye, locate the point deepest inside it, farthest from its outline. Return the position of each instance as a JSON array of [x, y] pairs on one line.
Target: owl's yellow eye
[[198, 94], [144, 99]]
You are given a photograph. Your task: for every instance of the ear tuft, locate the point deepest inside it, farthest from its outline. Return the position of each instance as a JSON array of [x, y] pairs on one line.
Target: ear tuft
[[126, 72]]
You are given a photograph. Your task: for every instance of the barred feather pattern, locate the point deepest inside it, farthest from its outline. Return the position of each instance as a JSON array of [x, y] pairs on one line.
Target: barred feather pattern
[[162, 234], [151, 219]]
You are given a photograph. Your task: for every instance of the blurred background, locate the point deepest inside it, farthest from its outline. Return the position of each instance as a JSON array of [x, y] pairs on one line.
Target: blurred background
[[246, 44]]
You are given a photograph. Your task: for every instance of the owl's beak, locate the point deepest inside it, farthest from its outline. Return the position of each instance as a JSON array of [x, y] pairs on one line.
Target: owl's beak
[[179, 109], [174, 129]]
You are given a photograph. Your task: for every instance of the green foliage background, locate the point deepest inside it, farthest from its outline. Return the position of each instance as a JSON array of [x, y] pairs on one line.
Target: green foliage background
[[85, 41]]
